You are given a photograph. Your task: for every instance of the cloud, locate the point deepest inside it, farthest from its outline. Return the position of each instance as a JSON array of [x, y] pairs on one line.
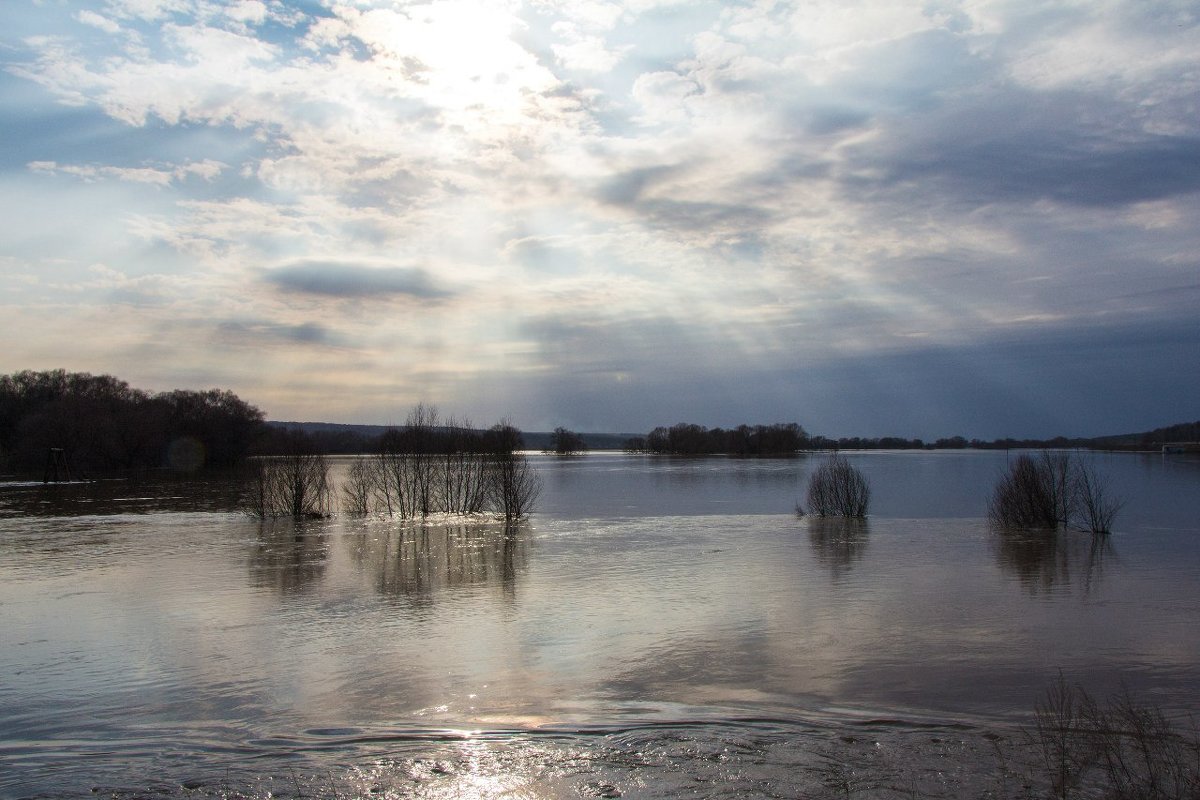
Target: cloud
[[1021, 147], [164, 175], [245, 333], [342, 279], [621, 199], [98, 21]]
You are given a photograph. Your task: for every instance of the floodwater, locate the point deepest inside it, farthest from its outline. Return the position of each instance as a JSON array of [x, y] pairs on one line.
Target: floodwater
[[660, 628]]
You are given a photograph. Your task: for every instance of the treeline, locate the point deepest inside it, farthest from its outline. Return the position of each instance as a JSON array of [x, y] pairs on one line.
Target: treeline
[[947, 443], [745, 440], [780, 439], [101, 423]]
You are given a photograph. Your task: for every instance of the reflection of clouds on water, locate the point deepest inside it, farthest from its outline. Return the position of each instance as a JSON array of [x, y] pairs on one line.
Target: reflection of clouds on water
[[838, 542], [419, 561], [1044, 561], [289, 556]]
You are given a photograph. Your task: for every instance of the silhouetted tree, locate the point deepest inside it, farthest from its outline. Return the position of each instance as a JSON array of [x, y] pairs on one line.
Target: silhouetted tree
[[295, 484], [564, 442], [221, 421], [514, 485], [837, 489], [1052, 490], [100, 422], [449, 468], [745, 440]]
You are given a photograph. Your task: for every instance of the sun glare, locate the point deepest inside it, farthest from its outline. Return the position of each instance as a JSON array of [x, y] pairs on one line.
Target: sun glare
[[461, 55]]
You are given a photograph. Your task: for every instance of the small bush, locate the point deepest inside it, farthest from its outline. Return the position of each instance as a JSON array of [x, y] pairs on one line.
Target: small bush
[[837, 489]]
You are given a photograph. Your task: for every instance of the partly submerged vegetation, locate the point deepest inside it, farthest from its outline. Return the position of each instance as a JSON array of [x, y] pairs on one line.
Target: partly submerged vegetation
[[295, 485], [565, 442], [425, 468], [1053, 490], [1118, 749], [837, 489]]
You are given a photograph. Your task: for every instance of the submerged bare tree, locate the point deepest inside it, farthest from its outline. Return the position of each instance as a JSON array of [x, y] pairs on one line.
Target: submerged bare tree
[[463, 470], [361, 487], [837, 489], [295, 485], [1095, 505], [1024, 497], [429, 467], [1053, 490], [514, 486]]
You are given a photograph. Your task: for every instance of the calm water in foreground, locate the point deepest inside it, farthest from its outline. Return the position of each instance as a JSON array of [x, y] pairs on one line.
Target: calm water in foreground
[[660, 628]]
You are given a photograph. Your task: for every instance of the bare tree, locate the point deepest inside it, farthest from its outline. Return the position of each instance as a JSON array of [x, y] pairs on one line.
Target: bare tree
[[361, 487], [1050, 491], [514, 485], [421, 428], [1095, 506], [1024, 497], [451, 468], [295, 485], [463, 467], [837, 489]]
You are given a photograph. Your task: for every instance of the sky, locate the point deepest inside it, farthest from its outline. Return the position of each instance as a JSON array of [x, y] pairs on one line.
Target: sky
[[972, 217]]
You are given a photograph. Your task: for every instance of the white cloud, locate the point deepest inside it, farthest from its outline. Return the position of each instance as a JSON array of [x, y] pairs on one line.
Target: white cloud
[[157, 175], [248, 11], [663, 96], [584, 52], [88, 17], [150, 10]]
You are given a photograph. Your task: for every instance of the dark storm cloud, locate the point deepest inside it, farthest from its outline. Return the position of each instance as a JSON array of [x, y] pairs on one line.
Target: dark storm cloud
[[1029, 146], [634, 190], [337, 279], [1042, 381], [307, 333], [827, 120]]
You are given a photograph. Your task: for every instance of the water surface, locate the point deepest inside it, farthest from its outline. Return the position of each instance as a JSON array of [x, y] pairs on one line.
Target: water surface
[[661, 626]]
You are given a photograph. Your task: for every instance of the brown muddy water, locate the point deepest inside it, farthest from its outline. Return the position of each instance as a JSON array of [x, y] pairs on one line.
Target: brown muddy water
[[660, 628]]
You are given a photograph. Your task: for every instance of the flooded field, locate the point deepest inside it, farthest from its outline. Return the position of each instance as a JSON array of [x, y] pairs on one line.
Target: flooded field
[[659, 628]]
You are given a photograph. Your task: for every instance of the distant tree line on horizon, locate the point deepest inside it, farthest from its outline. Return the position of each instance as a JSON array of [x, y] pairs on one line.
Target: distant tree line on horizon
[[101, 423], [781, 439], [745, 440]]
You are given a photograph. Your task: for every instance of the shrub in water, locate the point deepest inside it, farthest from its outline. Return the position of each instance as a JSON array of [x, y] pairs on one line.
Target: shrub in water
[[1052, 490], [837, 489]]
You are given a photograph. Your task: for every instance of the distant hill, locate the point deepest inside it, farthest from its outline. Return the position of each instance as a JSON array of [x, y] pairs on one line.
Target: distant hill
[[369, 431], [1181, 432]]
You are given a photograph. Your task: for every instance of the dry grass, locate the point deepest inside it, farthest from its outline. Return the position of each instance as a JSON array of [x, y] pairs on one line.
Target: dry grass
[[1118, 749]]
